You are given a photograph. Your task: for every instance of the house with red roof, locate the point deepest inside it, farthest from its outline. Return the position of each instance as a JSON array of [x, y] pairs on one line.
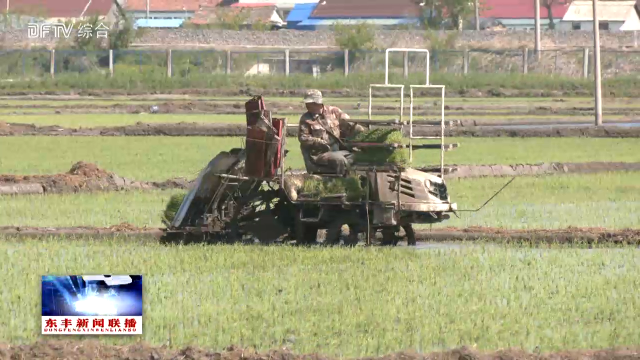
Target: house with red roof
[[166, 9], [57, 10], [250, 14], [381, 13], [519, 14]]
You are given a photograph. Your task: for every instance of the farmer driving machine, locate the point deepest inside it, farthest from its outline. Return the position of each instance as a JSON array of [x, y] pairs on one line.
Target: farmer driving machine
[[246, 194]]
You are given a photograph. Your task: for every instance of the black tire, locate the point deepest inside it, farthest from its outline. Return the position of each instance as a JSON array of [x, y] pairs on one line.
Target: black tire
[[410, 234], [334, 232], [353, 238], [390, 236], [306, 234]]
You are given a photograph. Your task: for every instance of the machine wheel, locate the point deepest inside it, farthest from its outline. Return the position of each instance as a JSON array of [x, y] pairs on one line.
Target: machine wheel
[[251, 222], [334, 230], [353, 238], [334, 233], [306, 233], [390, 236], [410, 234]]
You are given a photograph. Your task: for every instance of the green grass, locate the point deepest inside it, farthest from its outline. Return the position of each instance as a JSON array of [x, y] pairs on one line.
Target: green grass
[[597, 200], [322, 300], [135, 81], [94, 120], [9, 111], [159, 158], [141, 208], [605, 200]]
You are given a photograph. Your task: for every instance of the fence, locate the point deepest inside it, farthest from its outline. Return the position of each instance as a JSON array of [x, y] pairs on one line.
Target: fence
[[34, 64]]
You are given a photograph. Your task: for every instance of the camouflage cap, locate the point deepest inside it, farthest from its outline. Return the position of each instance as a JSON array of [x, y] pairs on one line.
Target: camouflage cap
[[313, 96]]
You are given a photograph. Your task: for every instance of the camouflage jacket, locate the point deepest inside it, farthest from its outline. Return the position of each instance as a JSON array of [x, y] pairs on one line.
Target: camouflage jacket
[[312, 133]]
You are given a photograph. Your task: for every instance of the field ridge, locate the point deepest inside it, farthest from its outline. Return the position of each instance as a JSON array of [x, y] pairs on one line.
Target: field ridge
[[88, 349]]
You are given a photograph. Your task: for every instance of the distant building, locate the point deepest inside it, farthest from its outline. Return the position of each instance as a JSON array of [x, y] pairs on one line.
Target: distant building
[[159, 23], [298, 14], [612, 15], [284, 6], [22, 12], [383, 13], [166, 9], [265, 13], [519, 14]]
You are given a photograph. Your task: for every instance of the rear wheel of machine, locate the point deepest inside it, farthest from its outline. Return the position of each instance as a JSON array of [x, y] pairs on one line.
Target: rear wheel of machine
[[334, 230], [306, 233], [390, 236], [334, 234], [353, 239], [410, 234]]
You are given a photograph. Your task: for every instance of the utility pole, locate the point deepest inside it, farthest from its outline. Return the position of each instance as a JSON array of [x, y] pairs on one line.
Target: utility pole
[[148, 10], [477, 16], [537, 11], [596, 55]]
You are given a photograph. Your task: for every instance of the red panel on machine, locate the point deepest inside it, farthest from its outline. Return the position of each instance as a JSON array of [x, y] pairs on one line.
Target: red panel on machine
[[278, 124], [254, 109], [256, 151], [264, 140]]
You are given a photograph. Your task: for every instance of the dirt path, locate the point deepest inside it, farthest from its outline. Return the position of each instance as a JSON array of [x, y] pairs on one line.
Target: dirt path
[[219, 129], [87, 177], [538, 236], [87, 350], [299, 93], [278, 107]]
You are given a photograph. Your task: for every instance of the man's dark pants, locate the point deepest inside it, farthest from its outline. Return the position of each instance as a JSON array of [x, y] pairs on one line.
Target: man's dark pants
[[340, 161]]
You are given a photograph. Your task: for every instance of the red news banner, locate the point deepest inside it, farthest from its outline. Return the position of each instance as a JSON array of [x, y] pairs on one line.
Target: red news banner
[[104, 325]]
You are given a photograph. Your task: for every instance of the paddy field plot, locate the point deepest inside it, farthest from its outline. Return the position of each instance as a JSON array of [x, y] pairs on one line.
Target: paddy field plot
[[606, 200], [323, 300], [160, 158]]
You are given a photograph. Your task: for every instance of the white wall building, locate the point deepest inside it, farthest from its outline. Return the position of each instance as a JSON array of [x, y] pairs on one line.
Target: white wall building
[[612, 15]]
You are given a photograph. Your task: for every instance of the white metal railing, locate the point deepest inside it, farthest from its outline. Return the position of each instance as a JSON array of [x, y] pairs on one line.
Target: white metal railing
[[426, 85], [400, 86], [442, 125], [386, 62]]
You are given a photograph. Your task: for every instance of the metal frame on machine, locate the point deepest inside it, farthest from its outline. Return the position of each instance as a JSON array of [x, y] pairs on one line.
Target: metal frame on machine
[[427, 84]]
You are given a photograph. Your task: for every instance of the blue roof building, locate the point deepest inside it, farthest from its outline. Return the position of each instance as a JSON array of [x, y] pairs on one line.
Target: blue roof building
[[299, 14], [159, 23], [380, 13]]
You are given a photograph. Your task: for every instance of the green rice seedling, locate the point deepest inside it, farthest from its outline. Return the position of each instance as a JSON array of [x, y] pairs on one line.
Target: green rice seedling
[[322, 187], [159, 158], [172, 208], [381, 155], [549, 202], [344, 302]]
